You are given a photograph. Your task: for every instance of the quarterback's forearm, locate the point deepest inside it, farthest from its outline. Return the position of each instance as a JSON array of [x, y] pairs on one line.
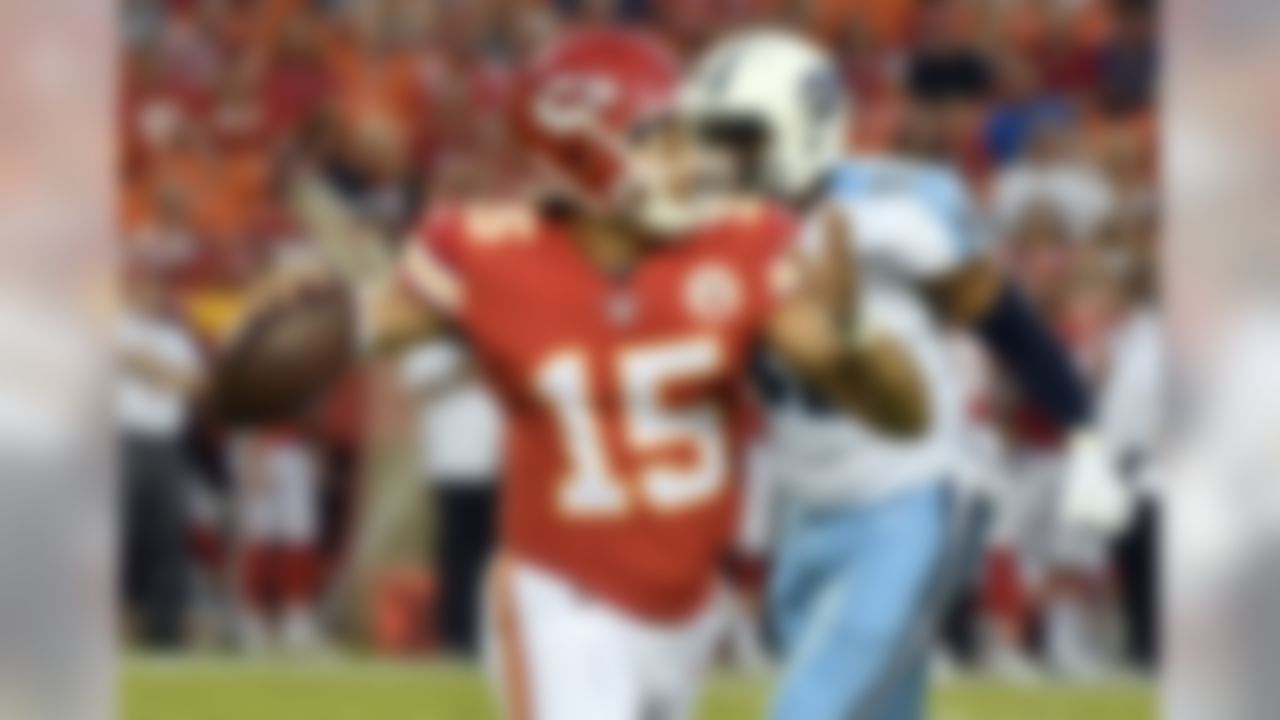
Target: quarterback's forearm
[[392, 318]]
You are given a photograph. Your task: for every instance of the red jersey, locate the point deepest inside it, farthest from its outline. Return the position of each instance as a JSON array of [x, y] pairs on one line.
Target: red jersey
[[623, 395]]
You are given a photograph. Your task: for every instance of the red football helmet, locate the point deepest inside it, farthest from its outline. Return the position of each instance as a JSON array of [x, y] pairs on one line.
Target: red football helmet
[[581, 106]]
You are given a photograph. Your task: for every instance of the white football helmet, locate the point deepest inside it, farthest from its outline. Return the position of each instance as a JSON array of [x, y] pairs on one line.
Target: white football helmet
[[782, 88]]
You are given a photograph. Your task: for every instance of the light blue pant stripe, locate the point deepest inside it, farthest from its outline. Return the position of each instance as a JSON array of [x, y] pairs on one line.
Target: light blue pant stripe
[[854, 594]]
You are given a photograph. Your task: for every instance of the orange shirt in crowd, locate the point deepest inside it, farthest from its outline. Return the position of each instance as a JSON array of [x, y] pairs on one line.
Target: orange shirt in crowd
[[890, 20]]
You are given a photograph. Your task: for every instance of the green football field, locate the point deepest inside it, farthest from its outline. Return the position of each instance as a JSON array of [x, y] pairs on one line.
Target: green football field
[[350, 690]]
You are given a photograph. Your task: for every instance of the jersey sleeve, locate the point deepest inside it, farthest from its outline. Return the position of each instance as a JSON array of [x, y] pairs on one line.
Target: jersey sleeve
[[434, 265], [968, 228]]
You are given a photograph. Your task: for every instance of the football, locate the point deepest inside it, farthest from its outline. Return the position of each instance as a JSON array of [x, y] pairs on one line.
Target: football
[[284, 356]]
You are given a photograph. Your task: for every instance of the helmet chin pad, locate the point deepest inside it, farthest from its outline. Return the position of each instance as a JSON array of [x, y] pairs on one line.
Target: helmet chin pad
[[649, 197], [671, 181]]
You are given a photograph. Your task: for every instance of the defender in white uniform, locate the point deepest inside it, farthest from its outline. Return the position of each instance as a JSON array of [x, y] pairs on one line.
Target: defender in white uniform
[[896, 213], [872, 527]]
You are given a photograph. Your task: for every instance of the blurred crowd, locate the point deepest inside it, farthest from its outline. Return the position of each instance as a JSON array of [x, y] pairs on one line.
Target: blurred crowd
[[251, 129]]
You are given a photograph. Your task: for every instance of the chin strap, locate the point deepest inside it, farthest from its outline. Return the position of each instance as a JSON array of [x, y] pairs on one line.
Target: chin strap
[[651, 186]]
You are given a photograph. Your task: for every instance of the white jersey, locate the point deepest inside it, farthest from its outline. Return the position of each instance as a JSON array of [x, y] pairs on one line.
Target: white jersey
[[911, 223]]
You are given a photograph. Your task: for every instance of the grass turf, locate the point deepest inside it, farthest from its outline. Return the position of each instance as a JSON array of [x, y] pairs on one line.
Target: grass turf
[[352, 690]]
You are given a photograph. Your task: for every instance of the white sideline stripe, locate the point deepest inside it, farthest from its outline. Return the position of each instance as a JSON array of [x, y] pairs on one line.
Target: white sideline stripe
[[358, 668], [353, 667]]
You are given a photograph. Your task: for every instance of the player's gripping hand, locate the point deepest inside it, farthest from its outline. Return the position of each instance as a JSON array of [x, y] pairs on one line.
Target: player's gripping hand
[[834, 271], [821, 334], [305, 325], [1094, 498]]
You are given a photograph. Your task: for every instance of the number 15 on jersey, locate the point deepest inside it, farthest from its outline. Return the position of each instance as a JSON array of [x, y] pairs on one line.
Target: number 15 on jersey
[[594, 485]]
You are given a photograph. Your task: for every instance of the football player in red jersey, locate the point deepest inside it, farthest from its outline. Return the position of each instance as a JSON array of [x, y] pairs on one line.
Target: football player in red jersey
[[615, 325]]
